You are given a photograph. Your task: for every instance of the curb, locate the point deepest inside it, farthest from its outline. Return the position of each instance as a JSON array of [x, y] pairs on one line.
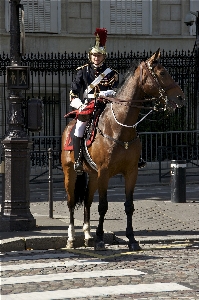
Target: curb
[[50, 242], [58, 242]]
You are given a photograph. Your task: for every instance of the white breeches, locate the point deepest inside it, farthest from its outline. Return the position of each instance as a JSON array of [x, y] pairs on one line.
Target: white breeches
[[79, 129]]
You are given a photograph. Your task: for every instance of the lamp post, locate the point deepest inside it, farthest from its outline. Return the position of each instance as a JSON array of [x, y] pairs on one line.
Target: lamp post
[[15, 214], [197, 63]]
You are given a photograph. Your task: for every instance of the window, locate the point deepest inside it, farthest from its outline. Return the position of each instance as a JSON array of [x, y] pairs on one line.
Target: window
[[126, 16], [40, 15]]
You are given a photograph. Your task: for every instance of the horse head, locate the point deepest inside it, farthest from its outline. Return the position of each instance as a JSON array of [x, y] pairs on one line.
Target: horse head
[[158, 83]]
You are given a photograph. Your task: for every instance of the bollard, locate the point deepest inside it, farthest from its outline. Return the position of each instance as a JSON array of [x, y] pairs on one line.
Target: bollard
[[2, 172], [178, 181], [50, 183]]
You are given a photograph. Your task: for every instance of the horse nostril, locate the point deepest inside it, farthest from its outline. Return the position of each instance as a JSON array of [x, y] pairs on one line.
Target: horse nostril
[[182, 101], [179, 98]]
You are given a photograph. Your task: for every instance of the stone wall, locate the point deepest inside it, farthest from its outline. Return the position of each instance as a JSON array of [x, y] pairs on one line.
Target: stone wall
[[80, 18]]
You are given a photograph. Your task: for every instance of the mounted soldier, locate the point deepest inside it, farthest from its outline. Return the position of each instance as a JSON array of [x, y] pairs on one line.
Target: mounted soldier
[[94, 79]]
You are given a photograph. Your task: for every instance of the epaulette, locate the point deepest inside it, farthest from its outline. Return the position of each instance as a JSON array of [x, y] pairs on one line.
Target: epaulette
[[81, 67]]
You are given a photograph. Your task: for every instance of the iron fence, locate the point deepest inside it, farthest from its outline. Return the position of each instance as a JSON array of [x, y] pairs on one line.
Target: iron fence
[[158, 149], [52, 74]]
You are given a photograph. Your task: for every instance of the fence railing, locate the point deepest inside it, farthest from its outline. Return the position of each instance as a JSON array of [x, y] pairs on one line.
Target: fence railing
[[158, 149], [188, 153], [151, 141]]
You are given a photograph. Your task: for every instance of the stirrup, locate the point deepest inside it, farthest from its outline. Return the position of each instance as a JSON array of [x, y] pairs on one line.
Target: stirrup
[[142, 163]]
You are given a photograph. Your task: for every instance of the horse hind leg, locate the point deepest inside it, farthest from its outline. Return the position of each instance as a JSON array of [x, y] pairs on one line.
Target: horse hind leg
[[71, 231], [88, 239], [91, 188]]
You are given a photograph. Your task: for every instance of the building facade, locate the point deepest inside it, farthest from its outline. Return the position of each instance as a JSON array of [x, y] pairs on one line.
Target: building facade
[[133, 25]]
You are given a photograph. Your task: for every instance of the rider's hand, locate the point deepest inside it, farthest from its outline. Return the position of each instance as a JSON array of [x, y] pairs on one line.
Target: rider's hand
[[107, 93], [76, 103]]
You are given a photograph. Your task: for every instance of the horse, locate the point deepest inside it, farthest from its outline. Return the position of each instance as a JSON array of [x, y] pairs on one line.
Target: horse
[[116, 147]]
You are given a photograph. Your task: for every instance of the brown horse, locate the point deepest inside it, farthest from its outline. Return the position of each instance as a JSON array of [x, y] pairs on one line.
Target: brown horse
[[116, 148]]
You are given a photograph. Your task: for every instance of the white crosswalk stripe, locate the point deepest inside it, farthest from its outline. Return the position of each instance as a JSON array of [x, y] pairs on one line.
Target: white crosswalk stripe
[[72, 275], [36, 256], [51, 265], [80, 292], [98, 291]]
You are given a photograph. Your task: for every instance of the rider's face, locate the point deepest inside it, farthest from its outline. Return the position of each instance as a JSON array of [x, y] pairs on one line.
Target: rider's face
[[97, 58]]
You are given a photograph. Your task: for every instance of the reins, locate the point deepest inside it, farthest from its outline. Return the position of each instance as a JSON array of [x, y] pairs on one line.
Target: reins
[[129, 126], [127, 102]]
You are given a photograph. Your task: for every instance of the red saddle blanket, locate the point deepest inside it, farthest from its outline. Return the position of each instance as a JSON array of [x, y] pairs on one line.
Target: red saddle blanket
[[90, 134], [69, 141]]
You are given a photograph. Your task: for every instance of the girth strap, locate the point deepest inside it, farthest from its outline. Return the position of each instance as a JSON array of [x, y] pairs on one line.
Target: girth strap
[[124, 144]]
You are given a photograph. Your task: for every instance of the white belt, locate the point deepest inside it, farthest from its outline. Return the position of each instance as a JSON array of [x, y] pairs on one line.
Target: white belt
[[90, 96], [96, 81]]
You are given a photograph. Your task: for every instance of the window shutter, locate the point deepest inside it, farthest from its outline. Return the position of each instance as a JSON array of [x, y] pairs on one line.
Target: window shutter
[[40, 15], [126, 17]]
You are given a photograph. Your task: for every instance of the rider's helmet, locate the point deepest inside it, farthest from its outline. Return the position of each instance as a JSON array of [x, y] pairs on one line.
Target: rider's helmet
[[100, 43]]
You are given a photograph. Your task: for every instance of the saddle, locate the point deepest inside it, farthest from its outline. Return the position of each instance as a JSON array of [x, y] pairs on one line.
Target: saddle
[[90, 131], [88, 137]]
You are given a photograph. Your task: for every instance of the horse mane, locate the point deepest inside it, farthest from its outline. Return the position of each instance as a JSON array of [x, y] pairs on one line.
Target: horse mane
[[126, 76]]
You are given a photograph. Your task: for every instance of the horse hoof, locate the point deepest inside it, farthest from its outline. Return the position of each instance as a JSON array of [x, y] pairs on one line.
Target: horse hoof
[[100, 246], [134, 246], [70, 245], [89, 242]]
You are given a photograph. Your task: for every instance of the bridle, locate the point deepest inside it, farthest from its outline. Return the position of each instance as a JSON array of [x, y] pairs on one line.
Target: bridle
[[162, 91], [157, 106]]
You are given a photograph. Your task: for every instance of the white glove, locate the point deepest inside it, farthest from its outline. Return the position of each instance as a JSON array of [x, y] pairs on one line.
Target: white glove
[[76, 103], [107, 93]]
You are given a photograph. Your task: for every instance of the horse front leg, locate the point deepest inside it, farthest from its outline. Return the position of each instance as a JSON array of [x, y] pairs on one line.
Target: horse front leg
[[129, 209], [102, 209]]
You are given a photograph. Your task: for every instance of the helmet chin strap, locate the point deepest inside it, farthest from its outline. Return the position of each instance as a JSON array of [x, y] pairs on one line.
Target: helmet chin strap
[[99, 65]]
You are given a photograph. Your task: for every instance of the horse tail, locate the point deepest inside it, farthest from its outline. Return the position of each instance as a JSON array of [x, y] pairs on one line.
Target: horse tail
[[80, 188]]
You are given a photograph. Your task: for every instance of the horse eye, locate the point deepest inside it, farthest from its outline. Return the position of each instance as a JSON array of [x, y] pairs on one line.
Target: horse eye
[[162, 73]]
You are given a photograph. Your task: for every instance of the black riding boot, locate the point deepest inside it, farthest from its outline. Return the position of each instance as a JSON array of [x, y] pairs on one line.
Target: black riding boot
[[141, 163], [78, 166]]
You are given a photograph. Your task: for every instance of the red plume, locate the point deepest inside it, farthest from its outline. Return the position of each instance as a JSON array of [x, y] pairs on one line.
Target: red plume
[[102, 32]]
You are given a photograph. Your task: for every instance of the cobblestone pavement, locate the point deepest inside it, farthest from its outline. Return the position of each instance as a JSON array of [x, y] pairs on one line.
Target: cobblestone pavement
[[154, 215], [155, 218], [159, 271]]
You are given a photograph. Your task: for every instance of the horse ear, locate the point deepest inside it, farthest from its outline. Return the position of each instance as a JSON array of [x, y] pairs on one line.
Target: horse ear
[[154, 58]]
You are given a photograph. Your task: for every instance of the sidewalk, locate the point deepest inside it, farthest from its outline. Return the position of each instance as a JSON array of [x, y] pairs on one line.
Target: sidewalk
[[153, 220]]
